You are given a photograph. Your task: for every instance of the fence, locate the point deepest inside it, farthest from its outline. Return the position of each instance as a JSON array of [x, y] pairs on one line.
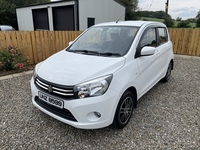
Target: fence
[[39, 45], [186, 41]]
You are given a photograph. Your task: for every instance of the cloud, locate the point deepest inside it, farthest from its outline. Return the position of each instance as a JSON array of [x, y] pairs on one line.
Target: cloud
[[184, 9], [177, 8], [185, 12]]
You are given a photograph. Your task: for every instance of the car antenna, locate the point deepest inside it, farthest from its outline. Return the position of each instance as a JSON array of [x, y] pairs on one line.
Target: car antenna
[[120, 18]]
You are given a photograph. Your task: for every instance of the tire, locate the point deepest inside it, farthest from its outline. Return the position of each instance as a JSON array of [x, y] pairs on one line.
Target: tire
[[168, 73], [124, 110]]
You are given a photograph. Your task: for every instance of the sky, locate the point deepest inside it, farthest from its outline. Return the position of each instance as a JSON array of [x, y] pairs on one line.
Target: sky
[[177, 8]]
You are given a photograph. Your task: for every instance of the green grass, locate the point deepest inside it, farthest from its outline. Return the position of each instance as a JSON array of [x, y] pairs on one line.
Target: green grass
[[162, 20], [191, 24], [152, 19]]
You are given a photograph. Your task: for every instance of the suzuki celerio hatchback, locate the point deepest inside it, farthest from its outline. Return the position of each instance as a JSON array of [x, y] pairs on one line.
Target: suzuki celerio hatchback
[[97, 80]]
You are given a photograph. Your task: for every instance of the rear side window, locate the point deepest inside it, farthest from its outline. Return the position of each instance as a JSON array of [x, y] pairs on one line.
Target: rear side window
[[162, 33]]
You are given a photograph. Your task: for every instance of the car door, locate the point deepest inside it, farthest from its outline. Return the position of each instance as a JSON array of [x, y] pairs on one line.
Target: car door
[[164, 49], [148, 65]]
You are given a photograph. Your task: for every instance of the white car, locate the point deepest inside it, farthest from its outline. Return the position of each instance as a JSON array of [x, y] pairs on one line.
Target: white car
[[97, 80], [6, 28]]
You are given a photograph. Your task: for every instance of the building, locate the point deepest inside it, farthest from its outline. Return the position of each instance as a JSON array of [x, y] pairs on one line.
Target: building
[[68, 14]]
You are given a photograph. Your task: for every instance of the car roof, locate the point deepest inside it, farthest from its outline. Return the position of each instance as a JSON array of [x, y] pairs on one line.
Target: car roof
[[6, 27], [130, 23]]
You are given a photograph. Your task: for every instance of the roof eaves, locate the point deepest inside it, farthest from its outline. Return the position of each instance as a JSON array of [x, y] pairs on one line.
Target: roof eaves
[[46, 3], [120, 3]]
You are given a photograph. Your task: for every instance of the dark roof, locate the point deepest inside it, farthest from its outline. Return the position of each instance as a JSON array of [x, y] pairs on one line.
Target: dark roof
[[46, 3], [120, 3], [61, 1]]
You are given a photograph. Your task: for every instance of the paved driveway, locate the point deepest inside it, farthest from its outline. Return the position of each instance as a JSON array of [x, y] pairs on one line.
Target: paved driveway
[[167, 117]]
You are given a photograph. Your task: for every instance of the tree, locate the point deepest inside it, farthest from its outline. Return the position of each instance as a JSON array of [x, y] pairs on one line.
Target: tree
[[131, 7], [191, 20], [160, 14], [184, 24], [198, 19], [8, 10], [178, 19], [169, 21], [7, 13], [154, 14]]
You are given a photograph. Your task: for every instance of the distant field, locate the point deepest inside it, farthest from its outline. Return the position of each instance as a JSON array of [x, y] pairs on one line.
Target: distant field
[[152, 19], [162, 20]]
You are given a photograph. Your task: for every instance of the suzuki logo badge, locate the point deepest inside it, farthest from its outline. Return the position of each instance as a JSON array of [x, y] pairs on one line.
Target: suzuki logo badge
[[50, 89]]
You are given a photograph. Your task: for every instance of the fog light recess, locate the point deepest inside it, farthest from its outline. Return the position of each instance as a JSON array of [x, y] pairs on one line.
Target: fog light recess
[[93, 116], [97, 114]]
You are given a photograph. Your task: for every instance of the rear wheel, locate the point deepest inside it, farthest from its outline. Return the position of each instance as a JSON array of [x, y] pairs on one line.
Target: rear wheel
[[124, 110], [168, 73]]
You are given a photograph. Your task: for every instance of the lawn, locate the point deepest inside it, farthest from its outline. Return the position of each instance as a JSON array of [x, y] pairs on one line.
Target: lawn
[[162, 20]]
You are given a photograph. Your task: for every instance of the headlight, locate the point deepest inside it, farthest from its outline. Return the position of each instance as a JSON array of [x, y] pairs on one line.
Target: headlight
[[94, 87]]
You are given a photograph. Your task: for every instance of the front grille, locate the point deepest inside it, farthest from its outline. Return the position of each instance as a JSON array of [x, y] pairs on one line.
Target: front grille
[[61, 91], [63, 113]]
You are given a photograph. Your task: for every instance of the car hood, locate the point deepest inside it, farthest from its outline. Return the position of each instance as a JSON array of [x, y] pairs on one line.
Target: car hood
[[67, 68]]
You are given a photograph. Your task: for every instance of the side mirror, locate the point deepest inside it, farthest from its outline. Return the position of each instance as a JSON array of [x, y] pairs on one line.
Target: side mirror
[[147, 51], [70, 43]]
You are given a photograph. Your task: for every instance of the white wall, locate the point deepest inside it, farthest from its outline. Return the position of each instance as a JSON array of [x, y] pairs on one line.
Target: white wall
[[101, 10], [25, 17]]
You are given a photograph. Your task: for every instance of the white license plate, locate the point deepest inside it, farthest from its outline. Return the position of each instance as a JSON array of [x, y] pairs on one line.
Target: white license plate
[[51, 100]]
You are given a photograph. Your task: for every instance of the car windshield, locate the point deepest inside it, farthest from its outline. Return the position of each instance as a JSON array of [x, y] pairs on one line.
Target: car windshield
[[105, 41]]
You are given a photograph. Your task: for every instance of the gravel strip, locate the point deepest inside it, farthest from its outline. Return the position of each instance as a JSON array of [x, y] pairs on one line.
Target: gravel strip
[[167, 117]]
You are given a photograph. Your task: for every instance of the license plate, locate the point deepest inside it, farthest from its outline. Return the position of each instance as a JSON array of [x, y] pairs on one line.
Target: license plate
[[51, 100]]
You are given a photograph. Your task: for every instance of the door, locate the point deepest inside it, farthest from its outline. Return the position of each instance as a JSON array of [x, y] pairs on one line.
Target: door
[[40, 19], [164, 47], [148, 65], [63, 18]]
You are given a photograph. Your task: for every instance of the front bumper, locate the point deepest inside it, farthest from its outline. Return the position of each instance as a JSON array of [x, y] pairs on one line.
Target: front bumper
[[83, 110]]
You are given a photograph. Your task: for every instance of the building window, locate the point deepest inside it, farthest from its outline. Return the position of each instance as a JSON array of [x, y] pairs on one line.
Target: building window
[[90, 22]]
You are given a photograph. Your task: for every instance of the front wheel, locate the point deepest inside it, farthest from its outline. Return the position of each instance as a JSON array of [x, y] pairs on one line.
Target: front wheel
[[124, 110], [168, 73]]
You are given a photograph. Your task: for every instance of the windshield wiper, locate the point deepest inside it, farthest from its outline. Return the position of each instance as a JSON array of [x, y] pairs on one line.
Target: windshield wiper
[[88, 52], [110, 54], [85, 52]]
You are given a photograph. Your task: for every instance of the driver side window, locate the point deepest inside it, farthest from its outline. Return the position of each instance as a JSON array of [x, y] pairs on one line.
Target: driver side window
[[149, 38]]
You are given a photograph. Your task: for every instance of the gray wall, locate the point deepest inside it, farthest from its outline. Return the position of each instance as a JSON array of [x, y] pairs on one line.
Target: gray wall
[[101, 10]]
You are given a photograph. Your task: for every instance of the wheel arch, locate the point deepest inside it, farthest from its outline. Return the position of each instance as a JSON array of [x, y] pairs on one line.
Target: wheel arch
[[172, 61], [134, 92]]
